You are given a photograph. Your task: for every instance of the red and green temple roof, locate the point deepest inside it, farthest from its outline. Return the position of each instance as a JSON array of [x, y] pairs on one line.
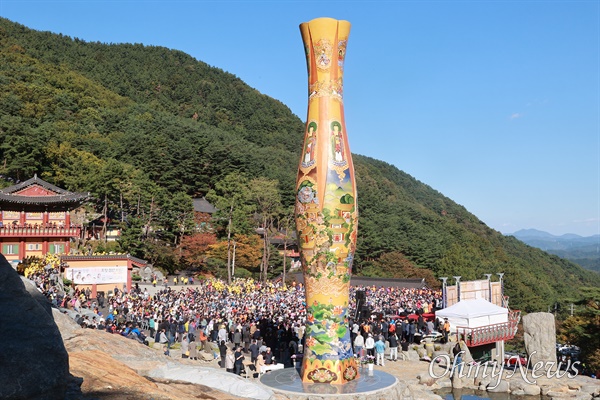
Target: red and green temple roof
[[36, 191]]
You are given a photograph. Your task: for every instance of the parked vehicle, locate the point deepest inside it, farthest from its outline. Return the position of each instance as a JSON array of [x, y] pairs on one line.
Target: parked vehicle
[[567, 354], [513, 360]]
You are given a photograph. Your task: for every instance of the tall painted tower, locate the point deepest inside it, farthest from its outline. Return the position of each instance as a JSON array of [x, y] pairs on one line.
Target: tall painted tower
[[326, 208]]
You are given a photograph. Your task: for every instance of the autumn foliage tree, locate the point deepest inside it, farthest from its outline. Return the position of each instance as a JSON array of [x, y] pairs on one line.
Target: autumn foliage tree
[[194, 248], [248, 252]]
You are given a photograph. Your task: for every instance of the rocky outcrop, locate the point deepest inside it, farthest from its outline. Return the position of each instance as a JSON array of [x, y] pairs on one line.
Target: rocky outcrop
[[37, 295], [67, 327], [113, 367], [35, 363], [220, 380], [106, 378], [540, 337], [466, 355]]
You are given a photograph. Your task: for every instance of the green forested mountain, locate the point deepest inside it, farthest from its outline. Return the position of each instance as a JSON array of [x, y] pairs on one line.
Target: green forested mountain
[[145, 128]]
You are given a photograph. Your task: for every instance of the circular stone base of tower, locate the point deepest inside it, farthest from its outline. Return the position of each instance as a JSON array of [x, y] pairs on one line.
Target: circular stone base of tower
[[370, 385]]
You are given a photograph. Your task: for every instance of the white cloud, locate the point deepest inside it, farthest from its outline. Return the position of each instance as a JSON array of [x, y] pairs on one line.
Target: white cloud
[[587, 221], [515, 116]]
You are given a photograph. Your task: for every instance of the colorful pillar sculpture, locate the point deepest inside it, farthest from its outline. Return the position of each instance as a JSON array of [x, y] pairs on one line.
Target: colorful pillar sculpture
[[326, 208]]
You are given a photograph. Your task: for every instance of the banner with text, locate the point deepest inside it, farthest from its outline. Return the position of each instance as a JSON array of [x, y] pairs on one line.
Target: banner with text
[[88, 276]]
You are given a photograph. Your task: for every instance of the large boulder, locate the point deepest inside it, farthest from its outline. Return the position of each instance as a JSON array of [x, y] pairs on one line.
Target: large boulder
[[540, 337], [499, 387], [66, 325], [33, 290], [467, 358], [35, 363]]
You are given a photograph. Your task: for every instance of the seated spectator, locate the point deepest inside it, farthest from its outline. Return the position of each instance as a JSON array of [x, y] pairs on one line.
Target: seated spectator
[[268, 356]]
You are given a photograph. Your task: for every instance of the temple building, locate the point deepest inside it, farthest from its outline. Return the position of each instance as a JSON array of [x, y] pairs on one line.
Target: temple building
[[203, 214], [35, 219]]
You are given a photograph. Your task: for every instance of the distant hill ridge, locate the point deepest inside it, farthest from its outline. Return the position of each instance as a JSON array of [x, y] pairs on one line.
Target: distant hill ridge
[[534, 233], [143, 128], [583, 250]]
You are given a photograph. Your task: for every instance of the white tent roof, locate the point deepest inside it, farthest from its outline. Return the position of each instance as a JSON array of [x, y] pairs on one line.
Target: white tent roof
[[471, 309], [473, 313]]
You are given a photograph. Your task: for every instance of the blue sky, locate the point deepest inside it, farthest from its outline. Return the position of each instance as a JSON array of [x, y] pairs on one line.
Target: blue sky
[[495, 104]]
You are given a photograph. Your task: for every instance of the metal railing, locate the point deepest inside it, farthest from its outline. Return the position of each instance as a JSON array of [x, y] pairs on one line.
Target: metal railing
[[491, 333], [10, 231]]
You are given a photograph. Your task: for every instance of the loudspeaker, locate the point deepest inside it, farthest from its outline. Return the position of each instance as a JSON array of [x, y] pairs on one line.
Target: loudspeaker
[[360, 295], [365, 312]]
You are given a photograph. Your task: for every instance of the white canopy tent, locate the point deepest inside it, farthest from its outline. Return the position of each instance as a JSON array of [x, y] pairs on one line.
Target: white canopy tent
[[473, 314]]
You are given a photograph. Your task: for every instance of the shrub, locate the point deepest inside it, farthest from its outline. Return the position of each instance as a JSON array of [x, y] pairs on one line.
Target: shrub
[[242, 273]]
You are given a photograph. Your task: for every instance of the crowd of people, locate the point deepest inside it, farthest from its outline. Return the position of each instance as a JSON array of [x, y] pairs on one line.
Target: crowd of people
[[396, 301], [262, 320]]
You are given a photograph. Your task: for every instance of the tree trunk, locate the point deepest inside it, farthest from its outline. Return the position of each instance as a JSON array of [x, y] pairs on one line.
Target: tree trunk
[[122, 210], [147, 228], [233, 260], [284, 256], [265, 258], [105, 211], [229, 245], [181, 233]]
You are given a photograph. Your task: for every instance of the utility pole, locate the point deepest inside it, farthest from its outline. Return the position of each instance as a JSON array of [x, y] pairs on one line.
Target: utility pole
[[444, 294], [457, 280]]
